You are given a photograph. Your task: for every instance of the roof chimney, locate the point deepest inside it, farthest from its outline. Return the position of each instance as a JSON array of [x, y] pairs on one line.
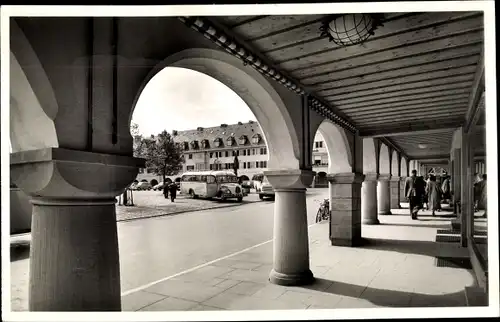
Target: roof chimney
[[251, 122], [223, 125], [200, 128], [239, 123]]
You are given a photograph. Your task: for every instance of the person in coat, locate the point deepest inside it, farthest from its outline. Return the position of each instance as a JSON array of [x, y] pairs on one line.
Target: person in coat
[[165, 189], [434, 194], [173, 191], [413, 194], [446, 187], [480, 192]]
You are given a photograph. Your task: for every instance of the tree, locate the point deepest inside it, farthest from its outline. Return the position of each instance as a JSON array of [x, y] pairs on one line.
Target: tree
[[162, 154]]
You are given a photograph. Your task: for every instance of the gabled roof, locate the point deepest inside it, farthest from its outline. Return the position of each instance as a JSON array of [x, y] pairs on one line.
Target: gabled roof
[[212, 133]]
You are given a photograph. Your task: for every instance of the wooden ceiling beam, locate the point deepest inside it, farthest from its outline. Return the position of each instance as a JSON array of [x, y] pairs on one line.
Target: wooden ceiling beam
[[409, 116], [424, 61], [404, 105], [390, 111], [414, 93], [431, 83], [408, 129], [379, 104]]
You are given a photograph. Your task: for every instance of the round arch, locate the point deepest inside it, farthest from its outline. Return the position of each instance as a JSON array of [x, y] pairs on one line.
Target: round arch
[[394, 164], [337, 146], [369, 156], [404, 168], [384, 164], [260, 96]]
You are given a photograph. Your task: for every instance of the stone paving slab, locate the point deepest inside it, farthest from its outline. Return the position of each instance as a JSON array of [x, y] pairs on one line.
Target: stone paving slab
[[396, 269]]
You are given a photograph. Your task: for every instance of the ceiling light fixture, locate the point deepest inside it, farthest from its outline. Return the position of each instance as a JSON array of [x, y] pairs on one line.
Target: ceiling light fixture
[[350, 29], [422, 146]]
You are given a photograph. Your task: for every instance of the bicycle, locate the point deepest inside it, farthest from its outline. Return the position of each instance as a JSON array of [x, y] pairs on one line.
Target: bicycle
[[323, 211]]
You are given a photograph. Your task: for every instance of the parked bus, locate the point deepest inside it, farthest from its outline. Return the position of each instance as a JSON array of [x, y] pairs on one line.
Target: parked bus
[[211, 184]]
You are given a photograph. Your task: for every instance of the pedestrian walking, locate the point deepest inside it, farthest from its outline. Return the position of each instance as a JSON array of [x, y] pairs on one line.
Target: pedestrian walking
[[165, 190], [173, 191], [434, 192], [446, 187], [413, 194]]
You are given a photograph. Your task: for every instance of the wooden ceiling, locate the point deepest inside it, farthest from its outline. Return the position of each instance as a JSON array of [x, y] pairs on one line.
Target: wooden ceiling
[[416, 72]]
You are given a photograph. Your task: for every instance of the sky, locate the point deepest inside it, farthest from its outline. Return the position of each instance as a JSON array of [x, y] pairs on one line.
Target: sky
[[183, 99]]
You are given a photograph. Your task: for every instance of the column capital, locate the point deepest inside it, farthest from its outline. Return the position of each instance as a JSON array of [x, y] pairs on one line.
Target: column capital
[[290, 178], [348, 177], [70, 175], [371, 176], [384, 177]]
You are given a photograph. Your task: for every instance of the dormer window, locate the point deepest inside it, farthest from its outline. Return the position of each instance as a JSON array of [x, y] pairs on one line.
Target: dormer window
[[194, 144], [256, 139], [243, 140], [218, 142], [230, 140], [186, 145], [205, 144]]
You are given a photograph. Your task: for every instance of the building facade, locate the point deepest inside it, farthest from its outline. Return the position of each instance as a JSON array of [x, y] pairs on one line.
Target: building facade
[[215, 148]]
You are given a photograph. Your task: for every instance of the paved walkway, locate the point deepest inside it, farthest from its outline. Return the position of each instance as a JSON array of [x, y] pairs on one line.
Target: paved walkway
[[397, 268]]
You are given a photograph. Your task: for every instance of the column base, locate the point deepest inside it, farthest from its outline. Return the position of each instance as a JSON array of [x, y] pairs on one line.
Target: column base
[[371, 221], [385, 213], [303, 278], [347, 242]]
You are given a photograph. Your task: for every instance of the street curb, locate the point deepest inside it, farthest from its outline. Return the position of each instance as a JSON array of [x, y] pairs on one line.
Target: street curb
[[184, 211]]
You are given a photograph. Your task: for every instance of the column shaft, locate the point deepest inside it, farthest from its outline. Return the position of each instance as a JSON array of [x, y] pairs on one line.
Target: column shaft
[[369, 210], [291, 241], [345, 205], [395, 191], [74, 261], [384, 195]]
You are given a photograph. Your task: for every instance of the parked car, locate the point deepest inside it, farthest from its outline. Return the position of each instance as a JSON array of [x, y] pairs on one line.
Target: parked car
[[133, 186], [144, 186], [266, 190], [159, 186]]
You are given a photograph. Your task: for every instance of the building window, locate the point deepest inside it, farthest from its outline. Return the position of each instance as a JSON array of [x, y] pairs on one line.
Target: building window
[[253, 151], [211, 154], [190, 167], [256, 164], [244, 152], [319, 144], [227, 154], [190, 156], [149, 170], [244, 165], [263, 150], [211, 166], [263, 164]]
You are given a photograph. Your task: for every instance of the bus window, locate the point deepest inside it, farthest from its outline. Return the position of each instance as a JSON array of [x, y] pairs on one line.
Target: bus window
[[203, 178], [227, 179], [210, 179]]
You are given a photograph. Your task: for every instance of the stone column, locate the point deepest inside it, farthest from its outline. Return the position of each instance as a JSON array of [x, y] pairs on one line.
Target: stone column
[[369, 210], [74, 260], [402, 197], [384, 195], [395, 191], [291, 241], [345, 206]]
